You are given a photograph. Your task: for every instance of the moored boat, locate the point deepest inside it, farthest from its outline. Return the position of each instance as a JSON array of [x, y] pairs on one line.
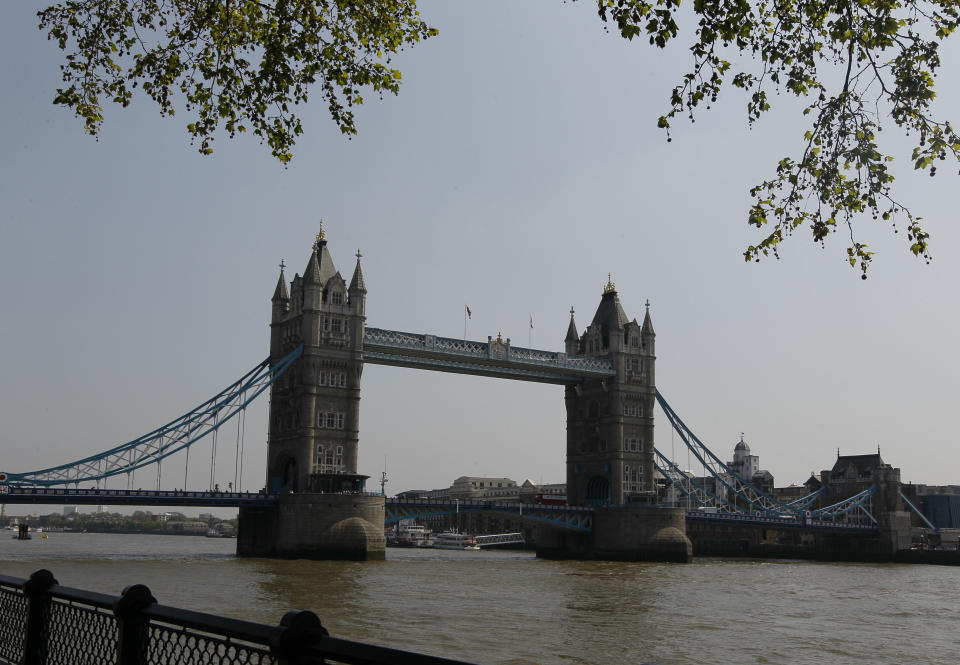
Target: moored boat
[[410, 535], [451, 540]]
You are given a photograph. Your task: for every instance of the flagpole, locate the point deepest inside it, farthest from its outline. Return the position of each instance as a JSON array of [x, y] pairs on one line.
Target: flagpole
[[464, 323]]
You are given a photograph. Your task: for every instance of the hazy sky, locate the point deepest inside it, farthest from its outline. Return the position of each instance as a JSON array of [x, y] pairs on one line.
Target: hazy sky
[[518, 166]]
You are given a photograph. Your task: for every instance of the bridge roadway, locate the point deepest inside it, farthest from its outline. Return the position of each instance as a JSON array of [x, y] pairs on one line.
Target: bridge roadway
[[107, 497], [580, 519], [563, 517]]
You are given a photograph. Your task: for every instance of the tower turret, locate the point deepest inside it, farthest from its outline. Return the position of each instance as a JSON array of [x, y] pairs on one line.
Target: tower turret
[[358, 289], [572, 340], [281, 305]]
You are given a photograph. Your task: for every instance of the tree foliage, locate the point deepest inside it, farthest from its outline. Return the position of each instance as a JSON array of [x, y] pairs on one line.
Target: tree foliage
[[247, 63], [244, 64], [855, 63]]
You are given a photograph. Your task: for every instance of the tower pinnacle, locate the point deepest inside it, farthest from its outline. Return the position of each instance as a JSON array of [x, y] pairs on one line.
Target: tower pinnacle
[[610, 287], [321, 238]]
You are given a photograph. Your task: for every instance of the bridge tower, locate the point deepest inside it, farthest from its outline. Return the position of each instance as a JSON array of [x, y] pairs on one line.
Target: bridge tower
[[315, 405], [322, 511], [610, 421]]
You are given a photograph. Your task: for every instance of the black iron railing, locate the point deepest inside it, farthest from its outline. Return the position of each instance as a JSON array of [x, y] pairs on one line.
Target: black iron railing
[[43, 623]]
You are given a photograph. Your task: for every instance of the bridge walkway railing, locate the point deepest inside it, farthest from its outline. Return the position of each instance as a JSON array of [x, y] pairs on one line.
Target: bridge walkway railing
[[42, 623], [139, 497], [784, 521], [569, 517]]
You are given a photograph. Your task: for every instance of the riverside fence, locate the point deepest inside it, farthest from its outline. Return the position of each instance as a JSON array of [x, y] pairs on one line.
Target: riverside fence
[[43, 623]]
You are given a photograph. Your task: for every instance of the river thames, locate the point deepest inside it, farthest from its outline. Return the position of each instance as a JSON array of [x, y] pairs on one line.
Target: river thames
[[505, 607]]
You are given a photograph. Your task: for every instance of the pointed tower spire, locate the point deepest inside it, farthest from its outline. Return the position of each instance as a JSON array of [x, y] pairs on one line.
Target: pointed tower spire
[[572, 335], [356, 284], [312, 274], [572, 340], [280, 294], [647, 328]]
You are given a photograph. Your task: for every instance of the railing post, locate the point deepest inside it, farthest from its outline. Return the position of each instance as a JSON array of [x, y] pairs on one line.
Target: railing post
[[301, 629], [133, 628], [37, 592]]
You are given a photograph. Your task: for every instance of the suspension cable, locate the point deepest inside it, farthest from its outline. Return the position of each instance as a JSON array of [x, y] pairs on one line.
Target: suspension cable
[[213, 453], [236, 455], [243, 440]]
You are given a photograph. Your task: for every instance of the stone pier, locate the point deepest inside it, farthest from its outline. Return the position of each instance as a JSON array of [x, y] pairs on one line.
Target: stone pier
[[622, 533], [315, 526]]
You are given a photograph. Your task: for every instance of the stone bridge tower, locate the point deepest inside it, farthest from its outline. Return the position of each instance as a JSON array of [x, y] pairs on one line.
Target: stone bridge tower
[[315, 405], [610, 421]]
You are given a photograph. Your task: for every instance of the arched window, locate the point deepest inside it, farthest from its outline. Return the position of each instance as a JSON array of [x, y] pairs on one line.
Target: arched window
[[598, 490]]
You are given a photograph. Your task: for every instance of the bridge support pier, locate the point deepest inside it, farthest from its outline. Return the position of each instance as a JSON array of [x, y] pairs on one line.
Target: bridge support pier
[[314, 526], [623, 533]]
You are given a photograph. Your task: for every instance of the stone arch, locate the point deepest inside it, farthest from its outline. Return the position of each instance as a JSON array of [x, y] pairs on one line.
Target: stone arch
[[598, 490], [290, 477]]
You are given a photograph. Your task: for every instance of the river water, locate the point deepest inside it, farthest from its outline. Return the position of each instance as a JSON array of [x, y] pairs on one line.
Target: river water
[[510, 608]]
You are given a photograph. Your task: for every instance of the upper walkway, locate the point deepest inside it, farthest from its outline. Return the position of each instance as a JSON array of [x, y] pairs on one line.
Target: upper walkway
[[495, 357]]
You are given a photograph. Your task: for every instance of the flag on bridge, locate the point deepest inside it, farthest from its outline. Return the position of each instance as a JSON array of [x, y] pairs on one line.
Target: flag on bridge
[[469, 313], [531, 321]]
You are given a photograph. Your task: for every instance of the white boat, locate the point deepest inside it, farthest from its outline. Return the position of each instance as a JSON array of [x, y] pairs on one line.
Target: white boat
[[411, 535], [451, 540]]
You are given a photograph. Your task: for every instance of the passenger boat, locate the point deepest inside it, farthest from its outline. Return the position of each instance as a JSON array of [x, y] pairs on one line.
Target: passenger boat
[[411, 535], [451, 540]]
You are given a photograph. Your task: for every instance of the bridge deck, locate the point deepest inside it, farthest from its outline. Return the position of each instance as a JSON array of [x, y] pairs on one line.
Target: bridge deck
[[138, 497]]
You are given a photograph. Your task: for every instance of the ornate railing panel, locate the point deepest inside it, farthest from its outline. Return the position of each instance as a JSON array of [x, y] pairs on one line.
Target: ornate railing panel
[[80, 634], [13, 623]]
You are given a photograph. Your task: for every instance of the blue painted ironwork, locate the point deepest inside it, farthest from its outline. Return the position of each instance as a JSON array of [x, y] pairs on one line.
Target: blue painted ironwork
[[173, 437], [566, 517], [492, 358], [918, 513], [755, 499], [15, 494], [808, 524], [841, 508], [805, 502], [689, 485]]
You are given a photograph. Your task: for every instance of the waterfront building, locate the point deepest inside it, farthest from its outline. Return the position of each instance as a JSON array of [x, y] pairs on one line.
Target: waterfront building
[[471, 488]]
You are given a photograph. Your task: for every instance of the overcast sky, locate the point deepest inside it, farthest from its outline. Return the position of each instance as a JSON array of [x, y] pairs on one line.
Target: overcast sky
[[519, 165]]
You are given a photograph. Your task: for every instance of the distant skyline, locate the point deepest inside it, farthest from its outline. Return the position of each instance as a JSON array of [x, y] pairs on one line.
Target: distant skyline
[[519, 165]]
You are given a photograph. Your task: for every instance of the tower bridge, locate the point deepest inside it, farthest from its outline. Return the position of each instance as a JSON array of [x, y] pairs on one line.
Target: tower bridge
[[314, 503]]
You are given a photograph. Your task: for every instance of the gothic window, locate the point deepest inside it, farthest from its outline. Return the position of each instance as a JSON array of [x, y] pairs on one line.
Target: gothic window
[[322, 379], [337, 298], [330, 420], [329, 458], [632, 408]]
